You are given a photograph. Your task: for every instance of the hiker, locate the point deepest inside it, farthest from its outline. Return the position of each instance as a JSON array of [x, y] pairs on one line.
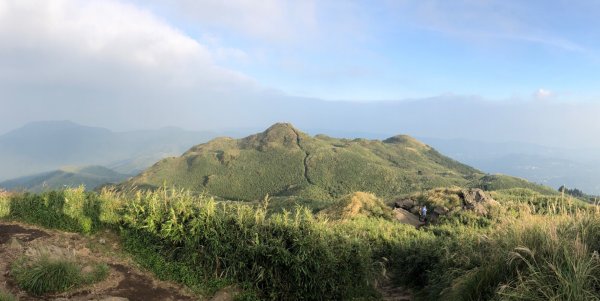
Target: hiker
[[423, 213]]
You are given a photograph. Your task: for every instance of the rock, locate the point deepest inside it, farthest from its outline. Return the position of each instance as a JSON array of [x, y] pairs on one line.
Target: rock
[[102, 241], [404, 204], [406, 217], [477, 201], [15, 244], [414, 210], [226, 294]]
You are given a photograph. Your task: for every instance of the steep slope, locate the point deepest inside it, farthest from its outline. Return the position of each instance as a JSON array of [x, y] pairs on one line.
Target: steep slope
[[89, 176], [284, 161]]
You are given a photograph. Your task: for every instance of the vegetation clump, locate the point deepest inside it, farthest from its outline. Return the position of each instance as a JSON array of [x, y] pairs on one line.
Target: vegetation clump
[[45, 272], [358, 204], [6, 296]]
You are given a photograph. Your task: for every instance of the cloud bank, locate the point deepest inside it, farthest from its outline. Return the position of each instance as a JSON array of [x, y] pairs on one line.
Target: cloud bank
[[101, 58]]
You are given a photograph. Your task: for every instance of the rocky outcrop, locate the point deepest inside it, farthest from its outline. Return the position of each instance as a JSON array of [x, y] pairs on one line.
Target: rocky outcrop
[[475, 200]]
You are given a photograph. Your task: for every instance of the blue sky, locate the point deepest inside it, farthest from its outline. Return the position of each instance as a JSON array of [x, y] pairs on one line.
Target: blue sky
[[389, 50], [528, 69]]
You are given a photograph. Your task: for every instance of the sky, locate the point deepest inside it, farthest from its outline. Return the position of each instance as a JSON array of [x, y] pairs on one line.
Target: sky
[[213, 64]]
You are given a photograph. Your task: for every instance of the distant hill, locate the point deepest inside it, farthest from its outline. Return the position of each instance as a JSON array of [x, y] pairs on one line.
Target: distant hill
[[546, 165], [43, 146], [89, 176], [283, 161]]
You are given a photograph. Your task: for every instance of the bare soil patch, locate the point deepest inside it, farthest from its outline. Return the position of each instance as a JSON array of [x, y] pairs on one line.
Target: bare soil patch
[[22, 234], [124, 281]]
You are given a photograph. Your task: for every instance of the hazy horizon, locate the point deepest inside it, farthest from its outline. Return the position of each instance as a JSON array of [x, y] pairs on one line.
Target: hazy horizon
[[414, 67]]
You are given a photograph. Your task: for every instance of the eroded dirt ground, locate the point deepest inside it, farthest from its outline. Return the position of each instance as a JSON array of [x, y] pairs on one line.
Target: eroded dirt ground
[[125, 281]]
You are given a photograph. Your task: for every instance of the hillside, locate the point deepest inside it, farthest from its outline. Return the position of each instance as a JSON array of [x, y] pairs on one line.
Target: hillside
[[89, 176], [42, 146], [282, 161]]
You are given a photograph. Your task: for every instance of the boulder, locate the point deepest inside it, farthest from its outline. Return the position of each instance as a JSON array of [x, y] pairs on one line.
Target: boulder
[[406, 217], [404, 204], [477, 200]]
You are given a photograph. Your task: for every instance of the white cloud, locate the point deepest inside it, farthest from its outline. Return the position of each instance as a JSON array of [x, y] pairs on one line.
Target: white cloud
[[106, 33], [97, 60], [542, 93]]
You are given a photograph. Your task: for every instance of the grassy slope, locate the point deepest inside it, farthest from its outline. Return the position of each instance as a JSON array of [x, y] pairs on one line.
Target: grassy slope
[[531, 247], [283, 161]]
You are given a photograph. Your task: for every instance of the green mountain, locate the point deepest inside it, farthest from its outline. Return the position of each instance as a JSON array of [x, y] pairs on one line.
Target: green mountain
[[89, 176], [283, 161]]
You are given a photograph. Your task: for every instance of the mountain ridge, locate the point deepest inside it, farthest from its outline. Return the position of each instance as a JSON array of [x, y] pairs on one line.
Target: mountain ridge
[[284, 161]]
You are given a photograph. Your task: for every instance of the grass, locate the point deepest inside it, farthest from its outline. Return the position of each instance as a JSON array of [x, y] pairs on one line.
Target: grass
[[6, 296], [358, 204], [532, 247], [48, 273]]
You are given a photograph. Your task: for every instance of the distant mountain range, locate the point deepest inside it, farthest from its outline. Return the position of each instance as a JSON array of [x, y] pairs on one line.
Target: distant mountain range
[[554, 167], [46, 146], [91, 177], [283, 161]]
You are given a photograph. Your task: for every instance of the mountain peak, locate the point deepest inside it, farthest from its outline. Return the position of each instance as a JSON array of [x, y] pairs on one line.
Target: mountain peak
[[404, 140], [281, 127], [43, 128], [279, 134]]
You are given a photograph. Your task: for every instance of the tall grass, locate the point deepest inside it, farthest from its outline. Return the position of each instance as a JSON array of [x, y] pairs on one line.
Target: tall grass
[[533, 247]]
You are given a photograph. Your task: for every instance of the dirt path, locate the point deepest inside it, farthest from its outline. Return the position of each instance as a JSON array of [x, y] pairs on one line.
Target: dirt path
[[392, 293], [124, 280]]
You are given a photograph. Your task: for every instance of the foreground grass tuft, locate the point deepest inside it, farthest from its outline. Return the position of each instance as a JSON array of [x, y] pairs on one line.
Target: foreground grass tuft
[[44, 274], [6, 296]]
